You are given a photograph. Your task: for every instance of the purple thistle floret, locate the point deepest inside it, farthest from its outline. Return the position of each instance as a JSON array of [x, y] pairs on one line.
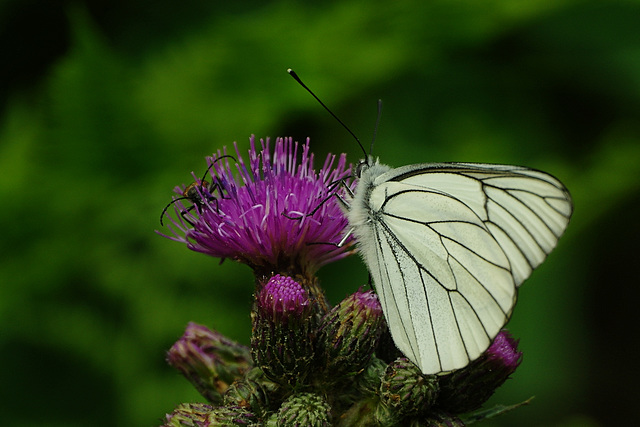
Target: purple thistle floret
[[261, 216], [368, 300], [282, 297], [504, 350], [468, 388]]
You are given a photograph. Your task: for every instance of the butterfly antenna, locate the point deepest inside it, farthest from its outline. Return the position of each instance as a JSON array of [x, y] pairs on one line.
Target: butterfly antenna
[[295, 76], [375, 129]]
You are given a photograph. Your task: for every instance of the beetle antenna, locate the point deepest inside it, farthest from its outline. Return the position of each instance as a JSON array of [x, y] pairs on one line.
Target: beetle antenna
[[164, 211], [204, 176]]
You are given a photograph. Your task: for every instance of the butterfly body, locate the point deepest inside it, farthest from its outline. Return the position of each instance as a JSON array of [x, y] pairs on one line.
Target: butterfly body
[[447, 245]]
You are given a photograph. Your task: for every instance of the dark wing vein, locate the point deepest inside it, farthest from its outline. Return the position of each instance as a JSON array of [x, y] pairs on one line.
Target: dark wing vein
[[491, 222], [383, 267], [394, 243]]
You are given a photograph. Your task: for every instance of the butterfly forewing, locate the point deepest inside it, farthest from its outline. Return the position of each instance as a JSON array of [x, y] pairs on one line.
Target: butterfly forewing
[[448, 244], [527, 207]]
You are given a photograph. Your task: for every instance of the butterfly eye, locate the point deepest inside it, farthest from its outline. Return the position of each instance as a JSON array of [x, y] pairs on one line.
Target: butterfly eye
[[362, 166]]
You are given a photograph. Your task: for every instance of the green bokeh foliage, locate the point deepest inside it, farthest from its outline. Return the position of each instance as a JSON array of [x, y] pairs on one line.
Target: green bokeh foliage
[[91, 297]]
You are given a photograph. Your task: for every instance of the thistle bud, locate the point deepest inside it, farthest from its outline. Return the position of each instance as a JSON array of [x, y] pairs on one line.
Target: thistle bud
[[209, 360], [253, 392], [303, 409], [230, 416], [188, 414], [348, 335], [405, 391], [368, 382], [283, 335], [468, 388]]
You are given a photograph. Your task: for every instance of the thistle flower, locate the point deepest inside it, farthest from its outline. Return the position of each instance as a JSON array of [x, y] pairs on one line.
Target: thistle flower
[[283, 335], [468, 388], [308, 365], [276, 214], [209, 360]]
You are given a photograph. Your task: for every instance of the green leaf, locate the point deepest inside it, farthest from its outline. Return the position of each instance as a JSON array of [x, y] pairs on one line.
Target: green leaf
[[483, 414]]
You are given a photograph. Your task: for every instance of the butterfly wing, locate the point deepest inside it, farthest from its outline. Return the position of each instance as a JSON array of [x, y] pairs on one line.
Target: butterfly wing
[[447, 246]]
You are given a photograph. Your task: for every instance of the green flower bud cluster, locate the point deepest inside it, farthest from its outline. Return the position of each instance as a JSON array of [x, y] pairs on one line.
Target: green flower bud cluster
[[308, 366]]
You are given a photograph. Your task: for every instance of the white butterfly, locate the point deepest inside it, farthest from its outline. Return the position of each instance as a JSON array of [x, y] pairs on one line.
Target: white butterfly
[[448, 245]]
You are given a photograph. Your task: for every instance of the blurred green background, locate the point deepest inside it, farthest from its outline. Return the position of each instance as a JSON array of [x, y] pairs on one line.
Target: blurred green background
[[106, 106]]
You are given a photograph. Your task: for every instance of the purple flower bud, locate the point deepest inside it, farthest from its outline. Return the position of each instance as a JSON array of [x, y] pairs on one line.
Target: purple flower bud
[[271, 213], [209, 360], [283, 298], [468, 388], [504, 352], [283, 335]]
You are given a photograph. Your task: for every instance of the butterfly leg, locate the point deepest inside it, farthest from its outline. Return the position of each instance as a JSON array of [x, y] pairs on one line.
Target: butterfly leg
[[330, 187]]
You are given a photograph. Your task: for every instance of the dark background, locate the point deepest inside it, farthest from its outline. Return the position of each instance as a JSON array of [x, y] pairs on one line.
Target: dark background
[[106, 106]]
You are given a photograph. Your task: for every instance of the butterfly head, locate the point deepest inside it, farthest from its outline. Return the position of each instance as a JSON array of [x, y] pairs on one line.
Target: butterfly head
[[363, 165], [369, 168]]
